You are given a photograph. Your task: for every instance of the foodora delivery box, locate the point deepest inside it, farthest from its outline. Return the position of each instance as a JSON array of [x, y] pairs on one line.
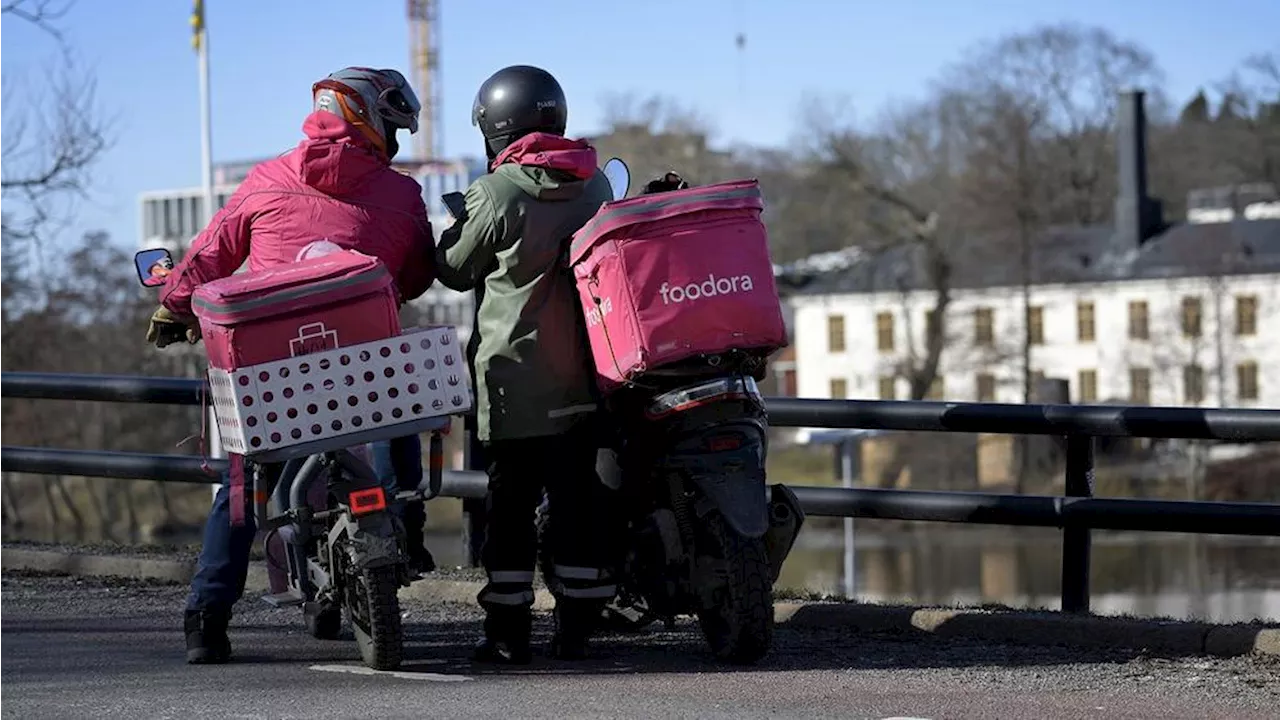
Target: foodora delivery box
[[668, 276], [335, 300]]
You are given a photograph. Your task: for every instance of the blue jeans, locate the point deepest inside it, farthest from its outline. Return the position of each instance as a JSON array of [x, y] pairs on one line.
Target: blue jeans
[[398, 464], [224, 556]]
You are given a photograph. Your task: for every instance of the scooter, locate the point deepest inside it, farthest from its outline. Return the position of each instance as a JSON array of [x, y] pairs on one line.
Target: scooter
[[703, 534], [345, 553]]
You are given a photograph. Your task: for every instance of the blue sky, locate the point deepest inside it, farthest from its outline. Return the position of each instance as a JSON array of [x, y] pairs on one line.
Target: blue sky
[[266, 53]]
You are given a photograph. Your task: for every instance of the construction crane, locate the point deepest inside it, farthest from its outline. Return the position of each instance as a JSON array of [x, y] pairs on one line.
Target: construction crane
[[424, 57]]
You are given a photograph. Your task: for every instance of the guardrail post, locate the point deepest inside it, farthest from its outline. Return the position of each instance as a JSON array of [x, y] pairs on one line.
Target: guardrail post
[[848, 450], [1076, 541], [215, 447], [473, 509]]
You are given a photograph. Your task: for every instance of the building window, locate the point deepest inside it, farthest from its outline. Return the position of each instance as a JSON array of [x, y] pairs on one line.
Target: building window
[[884, 331], [1084, 322], [888, 388], [1247, 380], [1140, 385], [1035, 318], [839, 389], [986, 383], [835, 333], [1193, 384], [1139, 329], [1191, 317], [984, 332], [1088, 386], [1247, 315], [937, 389]]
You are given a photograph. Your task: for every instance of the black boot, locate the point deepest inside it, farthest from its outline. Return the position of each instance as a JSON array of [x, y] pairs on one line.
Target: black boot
[[420, 559], [506, 638], [207, 640], [575, 624]]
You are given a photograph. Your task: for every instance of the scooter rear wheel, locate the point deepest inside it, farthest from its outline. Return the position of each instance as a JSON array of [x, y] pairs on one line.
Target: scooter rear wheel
[[376, 618], [738, 625]]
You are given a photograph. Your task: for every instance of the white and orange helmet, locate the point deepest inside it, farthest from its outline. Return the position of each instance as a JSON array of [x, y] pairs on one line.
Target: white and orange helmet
[[378, 102]]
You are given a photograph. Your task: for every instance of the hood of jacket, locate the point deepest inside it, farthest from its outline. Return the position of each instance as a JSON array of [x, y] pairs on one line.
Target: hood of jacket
[[335, 158], [548, 167]]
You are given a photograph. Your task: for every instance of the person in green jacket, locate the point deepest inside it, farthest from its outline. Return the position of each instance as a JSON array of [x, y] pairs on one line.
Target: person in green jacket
[[537, 408]]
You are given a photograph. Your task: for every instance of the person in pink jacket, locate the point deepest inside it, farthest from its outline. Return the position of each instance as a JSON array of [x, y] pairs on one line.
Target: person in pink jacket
[[336, 185], [336, 188]]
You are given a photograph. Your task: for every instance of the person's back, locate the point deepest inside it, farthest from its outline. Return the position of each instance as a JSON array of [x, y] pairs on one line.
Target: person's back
[[336, 185], [529, 347]]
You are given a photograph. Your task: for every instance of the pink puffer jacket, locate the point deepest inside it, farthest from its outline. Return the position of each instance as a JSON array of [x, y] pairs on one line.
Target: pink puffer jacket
[[333, 186]]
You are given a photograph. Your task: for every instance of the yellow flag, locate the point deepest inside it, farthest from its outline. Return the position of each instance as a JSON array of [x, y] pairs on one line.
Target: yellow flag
[[197, 23]]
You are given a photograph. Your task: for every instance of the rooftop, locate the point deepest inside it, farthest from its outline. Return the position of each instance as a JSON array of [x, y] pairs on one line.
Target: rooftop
[[1059, 256]]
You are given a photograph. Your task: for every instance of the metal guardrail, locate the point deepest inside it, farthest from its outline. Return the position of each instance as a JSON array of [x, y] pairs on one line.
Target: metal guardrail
[[1077, 513]]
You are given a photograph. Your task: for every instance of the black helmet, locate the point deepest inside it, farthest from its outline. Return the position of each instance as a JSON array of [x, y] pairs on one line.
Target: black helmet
[[516, 101]]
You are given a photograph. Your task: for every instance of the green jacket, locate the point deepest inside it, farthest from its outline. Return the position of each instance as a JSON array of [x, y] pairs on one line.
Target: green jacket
[[533, 370]]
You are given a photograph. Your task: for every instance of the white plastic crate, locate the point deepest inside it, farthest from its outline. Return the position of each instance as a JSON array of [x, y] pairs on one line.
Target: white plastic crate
[[418, 374]]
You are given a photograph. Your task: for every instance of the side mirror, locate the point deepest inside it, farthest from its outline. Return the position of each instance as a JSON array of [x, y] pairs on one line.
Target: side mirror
[[153, 266], [619, 177]]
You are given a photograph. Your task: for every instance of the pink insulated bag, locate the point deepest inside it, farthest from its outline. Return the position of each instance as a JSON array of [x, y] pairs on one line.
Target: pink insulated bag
[[334, 300], [668, 276]]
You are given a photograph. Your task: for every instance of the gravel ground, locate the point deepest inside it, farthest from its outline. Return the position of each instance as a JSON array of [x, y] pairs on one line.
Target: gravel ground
[[82, 647]]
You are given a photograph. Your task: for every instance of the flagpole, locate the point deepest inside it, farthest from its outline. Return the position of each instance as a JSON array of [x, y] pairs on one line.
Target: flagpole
[[206, 174], [206, 139]]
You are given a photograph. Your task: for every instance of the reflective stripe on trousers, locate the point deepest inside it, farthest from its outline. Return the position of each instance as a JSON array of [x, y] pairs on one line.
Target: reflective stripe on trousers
[[510, 588], [581, 583]]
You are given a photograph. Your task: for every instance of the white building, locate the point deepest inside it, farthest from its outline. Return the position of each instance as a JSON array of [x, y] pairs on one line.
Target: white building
[[172, 218], [1138, 313], [1179, 341]]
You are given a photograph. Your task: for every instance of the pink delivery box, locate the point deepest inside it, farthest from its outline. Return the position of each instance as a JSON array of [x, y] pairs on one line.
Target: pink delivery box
[[335, 300], [668, 276]]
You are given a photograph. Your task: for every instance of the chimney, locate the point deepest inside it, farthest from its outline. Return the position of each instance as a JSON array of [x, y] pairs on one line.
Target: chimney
[[1137, 216]]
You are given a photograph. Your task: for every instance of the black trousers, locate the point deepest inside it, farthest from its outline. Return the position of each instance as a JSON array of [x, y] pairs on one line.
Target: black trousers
[[580, 531]]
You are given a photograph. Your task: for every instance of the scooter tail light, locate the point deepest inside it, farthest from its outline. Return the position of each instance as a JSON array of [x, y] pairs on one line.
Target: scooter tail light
[[369, 500], [688, 398], [720, 443], [661, 410]]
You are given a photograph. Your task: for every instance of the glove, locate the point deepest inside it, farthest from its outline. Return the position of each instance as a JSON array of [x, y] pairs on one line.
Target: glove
[[666, 183], [166, 329]]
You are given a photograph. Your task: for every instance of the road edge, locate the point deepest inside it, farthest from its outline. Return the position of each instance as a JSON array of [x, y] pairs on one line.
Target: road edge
[[1023, 627]]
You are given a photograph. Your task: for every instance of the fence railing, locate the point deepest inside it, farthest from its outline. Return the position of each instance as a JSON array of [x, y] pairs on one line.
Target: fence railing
[[1076, 513]]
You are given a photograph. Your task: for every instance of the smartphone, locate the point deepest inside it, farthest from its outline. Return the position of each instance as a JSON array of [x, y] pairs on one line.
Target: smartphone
[[455, 203]]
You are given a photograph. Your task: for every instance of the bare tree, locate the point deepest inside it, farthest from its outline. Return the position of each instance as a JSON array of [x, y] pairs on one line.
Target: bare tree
[[899, 201], [1065, 79], [1040, 108], [54, 133], [44, 14], [1250, 118], [1193, 152], [892, 183], [656, 135], [1007, 179]]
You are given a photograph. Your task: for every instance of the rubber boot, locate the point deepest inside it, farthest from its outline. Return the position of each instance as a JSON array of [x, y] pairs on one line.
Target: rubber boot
[[207, 641], [420, 559], [506, 638], [576, 622]]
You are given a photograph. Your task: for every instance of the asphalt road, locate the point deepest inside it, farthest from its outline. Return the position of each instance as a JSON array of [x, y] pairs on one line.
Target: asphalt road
[[84, 648]]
